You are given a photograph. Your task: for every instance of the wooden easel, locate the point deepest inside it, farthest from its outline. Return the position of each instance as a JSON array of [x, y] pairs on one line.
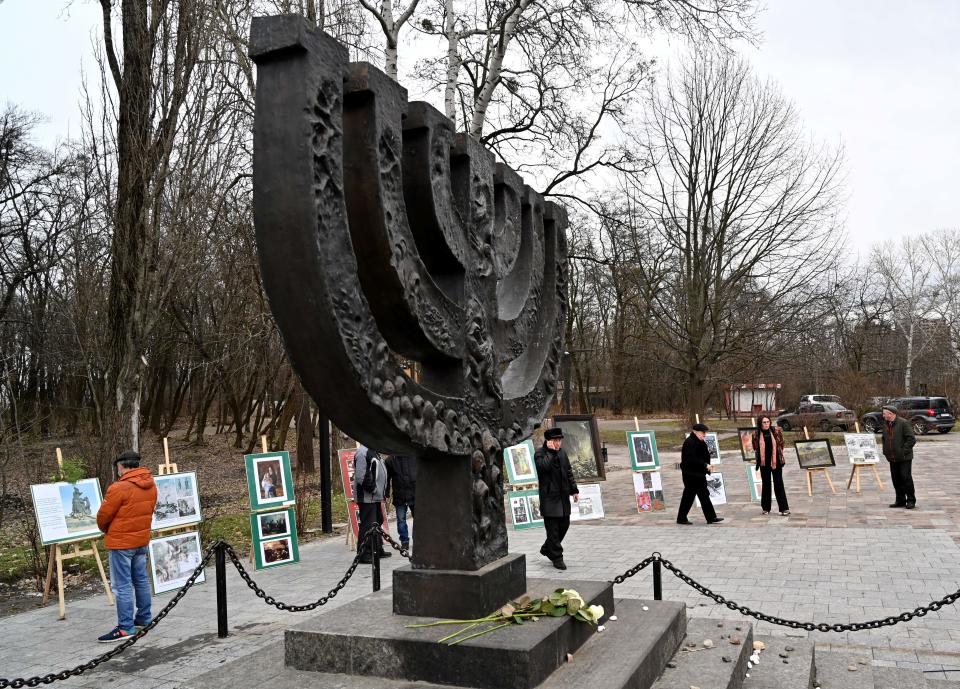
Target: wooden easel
[[265, 450], [167, 467], [810, 472], [56, 554], [857, 466]]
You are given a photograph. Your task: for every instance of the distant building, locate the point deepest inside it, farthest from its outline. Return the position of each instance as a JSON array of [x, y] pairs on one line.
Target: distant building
[[751, 399]]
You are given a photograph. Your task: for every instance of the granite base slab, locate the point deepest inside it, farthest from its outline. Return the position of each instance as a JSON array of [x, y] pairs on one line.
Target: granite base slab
[[365, 638]]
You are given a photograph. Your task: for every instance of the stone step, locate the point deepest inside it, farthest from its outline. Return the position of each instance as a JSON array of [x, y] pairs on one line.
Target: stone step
[[898, 678], [784, 664], [697, 666], [265, 668], [365, 637], [630, 653], [844, 670]]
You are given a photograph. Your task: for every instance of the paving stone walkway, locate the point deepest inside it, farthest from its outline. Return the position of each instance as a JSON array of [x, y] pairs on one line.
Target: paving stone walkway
[[837, 559]]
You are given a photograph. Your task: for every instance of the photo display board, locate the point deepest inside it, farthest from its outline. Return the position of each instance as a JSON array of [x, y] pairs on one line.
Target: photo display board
[[814, 454], [755, 481], [178, 501], [862, 448], [524, 506], [274, 538], [67, 511], [643, 450], [173, 559], [648, 489], [518, 461], [347, 472], [269, 480], [718, 494], [713, 445], [589, 505]]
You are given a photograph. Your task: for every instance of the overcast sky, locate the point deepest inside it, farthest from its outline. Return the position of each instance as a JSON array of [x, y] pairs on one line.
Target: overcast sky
[[879, 77]]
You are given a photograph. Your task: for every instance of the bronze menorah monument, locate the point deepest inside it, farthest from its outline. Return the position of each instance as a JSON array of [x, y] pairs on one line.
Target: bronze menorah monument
[[385, 238]]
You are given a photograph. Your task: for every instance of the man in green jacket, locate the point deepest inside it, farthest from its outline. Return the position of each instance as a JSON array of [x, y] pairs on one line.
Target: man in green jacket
[[898, 442]]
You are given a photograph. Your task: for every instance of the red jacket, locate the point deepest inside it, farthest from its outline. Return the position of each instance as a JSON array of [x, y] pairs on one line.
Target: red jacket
[[127, 510]]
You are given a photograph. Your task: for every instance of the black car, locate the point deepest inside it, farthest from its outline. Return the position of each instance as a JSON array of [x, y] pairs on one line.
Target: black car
[[924, 414]]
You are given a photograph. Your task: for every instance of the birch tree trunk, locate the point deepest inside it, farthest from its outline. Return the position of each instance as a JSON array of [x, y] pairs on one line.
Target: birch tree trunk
[[495, 68]]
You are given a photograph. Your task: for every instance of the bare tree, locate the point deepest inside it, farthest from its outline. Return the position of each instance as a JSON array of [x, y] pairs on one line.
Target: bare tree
[[161, 47], [737, 221], [391, 25], [908, 281]]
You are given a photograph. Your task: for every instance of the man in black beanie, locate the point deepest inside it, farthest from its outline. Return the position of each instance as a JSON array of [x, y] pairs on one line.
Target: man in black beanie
[[695, 465], [557, 484]]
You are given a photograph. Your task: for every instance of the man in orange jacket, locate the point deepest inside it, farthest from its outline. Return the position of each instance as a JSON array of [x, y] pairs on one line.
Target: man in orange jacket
[[125, 517]]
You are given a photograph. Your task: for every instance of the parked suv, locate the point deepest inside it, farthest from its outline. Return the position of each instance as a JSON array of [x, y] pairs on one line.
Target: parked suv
[[822, 415], [923, 413]]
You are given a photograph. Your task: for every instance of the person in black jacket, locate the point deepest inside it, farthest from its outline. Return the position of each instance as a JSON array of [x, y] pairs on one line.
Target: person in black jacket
[[898, 442], [695, 465], [402, 483], [557, 484]]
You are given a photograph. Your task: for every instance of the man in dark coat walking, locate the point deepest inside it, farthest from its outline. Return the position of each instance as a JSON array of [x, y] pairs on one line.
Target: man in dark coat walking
[[557, 484], [402, 484], [898, 442], [695, 465]]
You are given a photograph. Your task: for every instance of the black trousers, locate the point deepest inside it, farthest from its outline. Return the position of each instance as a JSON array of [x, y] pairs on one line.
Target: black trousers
[[901, 474], [695, 486], [766, 473], [556, 528], [370, 516]]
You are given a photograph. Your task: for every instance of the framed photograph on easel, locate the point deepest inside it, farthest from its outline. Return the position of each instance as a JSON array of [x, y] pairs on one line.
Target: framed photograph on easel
[[269, 480], [581, 441], [178, 501], [814, 454], [643, 450], [518, 461]]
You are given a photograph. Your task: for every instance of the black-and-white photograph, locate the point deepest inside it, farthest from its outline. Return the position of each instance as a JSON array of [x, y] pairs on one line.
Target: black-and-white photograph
[[718, 494], [518, 507], [173, 559]]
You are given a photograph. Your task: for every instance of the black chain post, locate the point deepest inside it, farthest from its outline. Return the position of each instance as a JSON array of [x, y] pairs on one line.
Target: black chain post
[[657, 579], [221, 560], [372, 542]]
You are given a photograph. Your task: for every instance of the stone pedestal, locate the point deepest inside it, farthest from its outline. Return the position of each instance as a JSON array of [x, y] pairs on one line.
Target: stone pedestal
[[459, 594]]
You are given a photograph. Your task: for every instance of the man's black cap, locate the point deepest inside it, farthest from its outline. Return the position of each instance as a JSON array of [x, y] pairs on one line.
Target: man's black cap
[[553, 434], [702, 427], [128, 456]]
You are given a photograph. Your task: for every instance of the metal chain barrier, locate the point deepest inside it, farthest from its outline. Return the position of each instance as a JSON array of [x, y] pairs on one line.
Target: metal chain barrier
[[636, 569], [124, 645], [393, 544], [794, 624], [279, 605], [655, 559]]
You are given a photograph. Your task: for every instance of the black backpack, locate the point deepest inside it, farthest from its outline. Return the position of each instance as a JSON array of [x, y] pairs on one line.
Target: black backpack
[[369, 482]]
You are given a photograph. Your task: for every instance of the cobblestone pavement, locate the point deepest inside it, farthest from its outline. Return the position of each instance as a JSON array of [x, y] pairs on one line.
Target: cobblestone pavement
[[836, 559]]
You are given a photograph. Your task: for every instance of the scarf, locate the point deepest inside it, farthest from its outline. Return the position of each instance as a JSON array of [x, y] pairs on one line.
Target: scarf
[[777, 454]]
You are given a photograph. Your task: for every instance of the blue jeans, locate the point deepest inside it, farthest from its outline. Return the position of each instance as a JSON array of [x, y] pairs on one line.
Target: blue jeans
[[402, 522], [129, 581]]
